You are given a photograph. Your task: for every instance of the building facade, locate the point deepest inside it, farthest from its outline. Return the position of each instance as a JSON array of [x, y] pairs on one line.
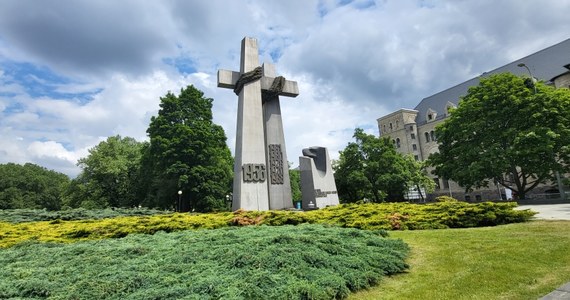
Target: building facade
[[413, 130]]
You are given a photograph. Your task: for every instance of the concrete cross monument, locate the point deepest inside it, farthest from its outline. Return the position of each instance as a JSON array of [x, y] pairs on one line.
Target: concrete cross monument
[[261, 171]]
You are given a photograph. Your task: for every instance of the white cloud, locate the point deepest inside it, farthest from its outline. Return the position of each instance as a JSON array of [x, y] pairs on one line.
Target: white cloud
[[353, 62]]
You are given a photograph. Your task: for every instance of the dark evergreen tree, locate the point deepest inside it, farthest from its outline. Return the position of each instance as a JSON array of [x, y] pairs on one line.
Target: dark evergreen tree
[[187, 152]]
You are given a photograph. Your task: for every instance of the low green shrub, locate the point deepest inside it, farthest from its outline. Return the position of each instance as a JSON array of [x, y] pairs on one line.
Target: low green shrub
[[253, 262], [368, 216], [34, 215]]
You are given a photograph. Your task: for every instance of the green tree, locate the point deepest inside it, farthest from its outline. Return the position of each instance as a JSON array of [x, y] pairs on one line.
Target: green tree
[[295, 179], [371, 168], [188, 152], [109, 176], [419, 179], [506, 132], [31, 186]]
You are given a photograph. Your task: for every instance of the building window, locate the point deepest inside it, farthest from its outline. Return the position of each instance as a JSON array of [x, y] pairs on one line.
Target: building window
[[416, 157], [430, 116], [391, 127], [467, 198], [397, 124], [412, 128], [432, 135], [414, 147], [398, 143], [427, 137], [478, 197], [413, 136], [384, 126]]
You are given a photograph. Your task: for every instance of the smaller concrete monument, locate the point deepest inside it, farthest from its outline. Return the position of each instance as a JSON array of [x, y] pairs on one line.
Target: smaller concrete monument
[[318, 188]]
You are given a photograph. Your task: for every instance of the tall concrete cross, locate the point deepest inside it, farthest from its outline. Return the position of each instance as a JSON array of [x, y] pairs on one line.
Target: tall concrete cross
[[261, 172]]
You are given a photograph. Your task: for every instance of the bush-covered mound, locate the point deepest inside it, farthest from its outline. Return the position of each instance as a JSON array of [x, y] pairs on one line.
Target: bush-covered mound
[[255, 262], [398, 216], [32, 215], [389, 216]]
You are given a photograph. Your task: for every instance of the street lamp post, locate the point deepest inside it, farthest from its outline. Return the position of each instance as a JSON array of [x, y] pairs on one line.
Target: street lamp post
[[522, 65], [229, 199], [179, 200], [559, 181]]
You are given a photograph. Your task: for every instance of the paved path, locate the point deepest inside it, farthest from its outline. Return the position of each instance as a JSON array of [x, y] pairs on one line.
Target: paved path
[[561, 293], [549, 211]]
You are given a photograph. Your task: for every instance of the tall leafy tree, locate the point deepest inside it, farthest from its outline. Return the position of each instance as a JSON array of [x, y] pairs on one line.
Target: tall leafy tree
[[109, 176], [507, 130], [31, 186], [419, 179], [188, 152], [371, 168]]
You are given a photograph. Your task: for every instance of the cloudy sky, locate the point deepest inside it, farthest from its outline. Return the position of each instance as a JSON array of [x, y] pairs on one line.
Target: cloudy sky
[[73, 73]]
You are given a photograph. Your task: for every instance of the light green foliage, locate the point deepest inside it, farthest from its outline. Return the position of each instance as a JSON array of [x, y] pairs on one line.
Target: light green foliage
[[295, 178], [89, 229], [418, 176], [407, 216], [370, 216], [445, 199], [503, 131], [287, 262], [371, 168], [109, 176], [395, 216], [187, 152], [31, 186]]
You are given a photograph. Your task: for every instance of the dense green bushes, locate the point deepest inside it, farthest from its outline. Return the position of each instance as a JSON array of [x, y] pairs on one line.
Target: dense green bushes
[[31, 186], [255, 262], [31, 215], [387, 216], [439, 215], [397, 216]]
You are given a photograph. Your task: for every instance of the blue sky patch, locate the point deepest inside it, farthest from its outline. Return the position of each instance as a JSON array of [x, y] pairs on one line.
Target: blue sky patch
[[39, 82], [184, 64]]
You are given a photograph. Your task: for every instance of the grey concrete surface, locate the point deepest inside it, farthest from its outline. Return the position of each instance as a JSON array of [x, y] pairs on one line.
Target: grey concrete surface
[[561, 293], [549, 211]]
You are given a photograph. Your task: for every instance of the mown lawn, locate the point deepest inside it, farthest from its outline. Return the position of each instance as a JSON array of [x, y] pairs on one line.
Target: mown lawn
[[516, 261]]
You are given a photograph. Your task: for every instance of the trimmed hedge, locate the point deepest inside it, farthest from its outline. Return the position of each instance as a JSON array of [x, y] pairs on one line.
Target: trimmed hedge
[[254, 262]]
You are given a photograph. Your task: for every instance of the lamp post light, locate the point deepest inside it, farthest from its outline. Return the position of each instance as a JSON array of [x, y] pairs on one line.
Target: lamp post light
[[522, 65], [179, 200], [229, 199]]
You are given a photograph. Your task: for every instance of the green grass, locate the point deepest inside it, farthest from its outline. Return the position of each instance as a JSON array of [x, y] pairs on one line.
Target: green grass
[[253, 262], [516, 261]]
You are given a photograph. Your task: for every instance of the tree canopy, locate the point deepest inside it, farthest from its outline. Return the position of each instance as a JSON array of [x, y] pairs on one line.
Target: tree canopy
[[505, 131], [187, 152], [31, 186], [109, 176], [371, 168]]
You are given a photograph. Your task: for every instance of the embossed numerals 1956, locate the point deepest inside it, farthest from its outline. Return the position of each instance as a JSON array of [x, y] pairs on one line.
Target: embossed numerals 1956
[[253, 172]]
